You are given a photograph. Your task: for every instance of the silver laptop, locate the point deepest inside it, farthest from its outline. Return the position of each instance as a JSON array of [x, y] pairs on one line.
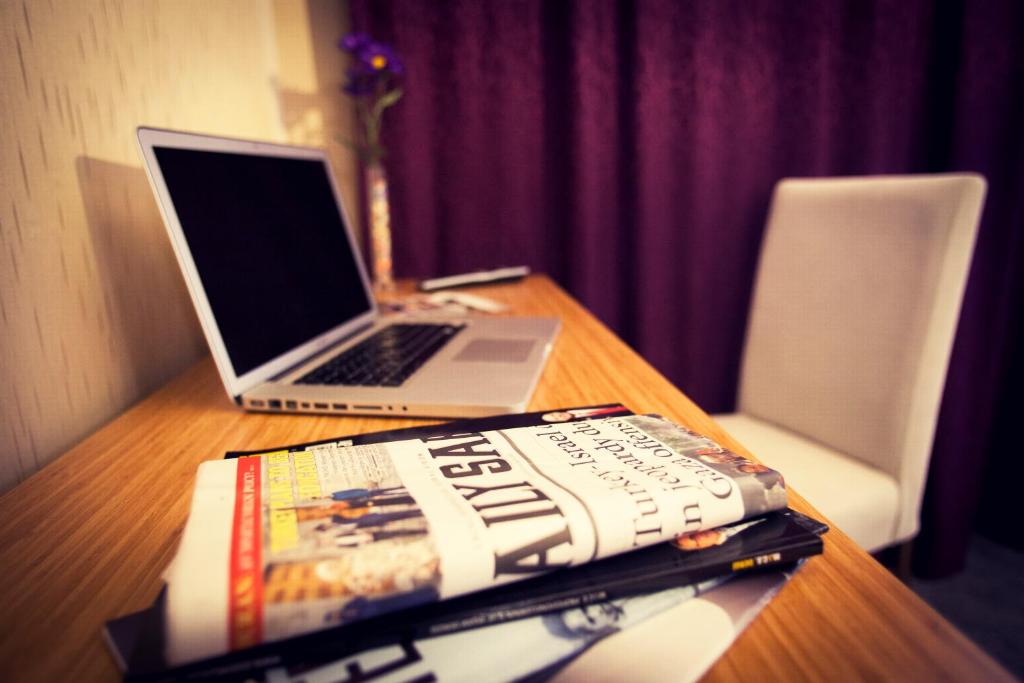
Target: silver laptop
[[283, 297]]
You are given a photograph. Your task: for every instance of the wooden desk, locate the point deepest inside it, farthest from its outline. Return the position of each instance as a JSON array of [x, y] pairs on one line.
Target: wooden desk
[[86, 538]]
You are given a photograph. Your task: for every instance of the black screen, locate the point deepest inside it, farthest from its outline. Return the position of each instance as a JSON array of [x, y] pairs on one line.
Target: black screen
[[268, 240]]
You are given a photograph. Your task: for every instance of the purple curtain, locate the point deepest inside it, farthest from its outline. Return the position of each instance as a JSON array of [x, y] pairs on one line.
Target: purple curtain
[[629, 150]]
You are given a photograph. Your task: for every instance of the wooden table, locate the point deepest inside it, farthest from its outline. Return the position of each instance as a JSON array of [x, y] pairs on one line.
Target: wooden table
[[86, 538]]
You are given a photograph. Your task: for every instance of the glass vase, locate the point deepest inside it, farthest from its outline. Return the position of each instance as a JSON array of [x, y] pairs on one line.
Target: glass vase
[[378, 212]]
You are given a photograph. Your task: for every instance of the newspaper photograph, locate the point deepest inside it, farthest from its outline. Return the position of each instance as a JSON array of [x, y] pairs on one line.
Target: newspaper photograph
[[291, 542]]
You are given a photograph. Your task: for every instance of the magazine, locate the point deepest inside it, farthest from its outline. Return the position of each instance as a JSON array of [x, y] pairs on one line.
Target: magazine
[[675, 634], [543, 644], [304, 538], [586, 643], [778, 538], [678, 644]]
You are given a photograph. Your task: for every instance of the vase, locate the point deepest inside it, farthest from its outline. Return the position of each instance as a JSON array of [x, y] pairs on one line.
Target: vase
[[378, 211]]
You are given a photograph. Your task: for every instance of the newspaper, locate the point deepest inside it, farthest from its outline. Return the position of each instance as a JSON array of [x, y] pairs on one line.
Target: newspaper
[[292, 542]]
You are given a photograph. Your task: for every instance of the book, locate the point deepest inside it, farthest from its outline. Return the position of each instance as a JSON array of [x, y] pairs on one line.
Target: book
[[574, 485]]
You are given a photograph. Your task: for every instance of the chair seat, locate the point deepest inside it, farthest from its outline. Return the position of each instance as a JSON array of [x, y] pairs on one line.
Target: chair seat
[[861, 500]]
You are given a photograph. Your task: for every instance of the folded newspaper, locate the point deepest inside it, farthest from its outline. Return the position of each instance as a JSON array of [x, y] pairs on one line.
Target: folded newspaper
[[298, 541]]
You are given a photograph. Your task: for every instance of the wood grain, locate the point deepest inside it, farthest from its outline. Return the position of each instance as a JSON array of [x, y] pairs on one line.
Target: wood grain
[[86, 538]]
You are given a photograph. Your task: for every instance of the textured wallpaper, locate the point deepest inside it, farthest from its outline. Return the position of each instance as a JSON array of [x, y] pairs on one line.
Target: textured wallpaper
[[93, 311]]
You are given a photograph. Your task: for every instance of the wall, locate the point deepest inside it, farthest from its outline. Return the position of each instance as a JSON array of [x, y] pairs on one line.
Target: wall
[[310, 72], [93, 311]]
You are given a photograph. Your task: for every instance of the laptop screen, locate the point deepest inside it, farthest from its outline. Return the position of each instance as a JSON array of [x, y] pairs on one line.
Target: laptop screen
[[268, 240]]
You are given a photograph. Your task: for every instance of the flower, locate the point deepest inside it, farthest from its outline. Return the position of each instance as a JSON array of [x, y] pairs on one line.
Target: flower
[[375, 66], [377, 57], [371, 57]]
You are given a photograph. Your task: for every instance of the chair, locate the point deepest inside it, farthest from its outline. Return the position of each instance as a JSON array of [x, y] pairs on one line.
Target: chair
[[852, 323]]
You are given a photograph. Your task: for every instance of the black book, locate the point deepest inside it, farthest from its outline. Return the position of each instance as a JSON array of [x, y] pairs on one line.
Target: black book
[[777, 539]]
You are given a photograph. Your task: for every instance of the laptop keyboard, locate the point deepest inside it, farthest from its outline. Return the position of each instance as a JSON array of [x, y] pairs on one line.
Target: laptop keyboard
[[384, 359]]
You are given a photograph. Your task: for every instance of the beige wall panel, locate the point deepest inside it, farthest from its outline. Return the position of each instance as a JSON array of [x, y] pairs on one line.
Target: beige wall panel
[[311, 73], [93, 310]]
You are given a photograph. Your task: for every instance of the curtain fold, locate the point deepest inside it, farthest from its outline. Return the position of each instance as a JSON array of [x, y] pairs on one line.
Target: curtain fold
[[629, 150]]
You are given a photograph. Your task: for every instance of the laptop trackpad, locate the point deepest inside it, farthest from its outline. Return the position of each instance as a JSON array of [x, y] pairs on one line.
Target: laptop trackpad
[[497, 350]]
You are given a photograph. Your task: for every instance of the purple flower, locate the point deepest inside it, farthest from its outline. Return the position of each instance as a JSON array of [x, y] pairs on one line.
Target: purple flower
[[372, 77], [371, 57], [378, 57]]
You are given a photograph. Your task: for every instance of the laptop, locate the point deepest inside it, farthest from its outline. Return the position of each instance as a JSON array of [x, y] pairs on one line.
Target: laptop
[[283, 297]]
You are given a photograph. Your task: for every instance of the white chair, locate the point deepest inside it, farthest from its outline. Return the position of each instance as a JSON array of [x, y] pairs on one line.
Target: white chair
[[851, 327]]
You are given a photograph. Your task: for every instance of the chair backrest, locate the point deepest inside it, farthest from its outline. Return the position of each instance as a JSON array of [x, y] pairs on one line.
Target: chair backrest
[[855, 309]]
